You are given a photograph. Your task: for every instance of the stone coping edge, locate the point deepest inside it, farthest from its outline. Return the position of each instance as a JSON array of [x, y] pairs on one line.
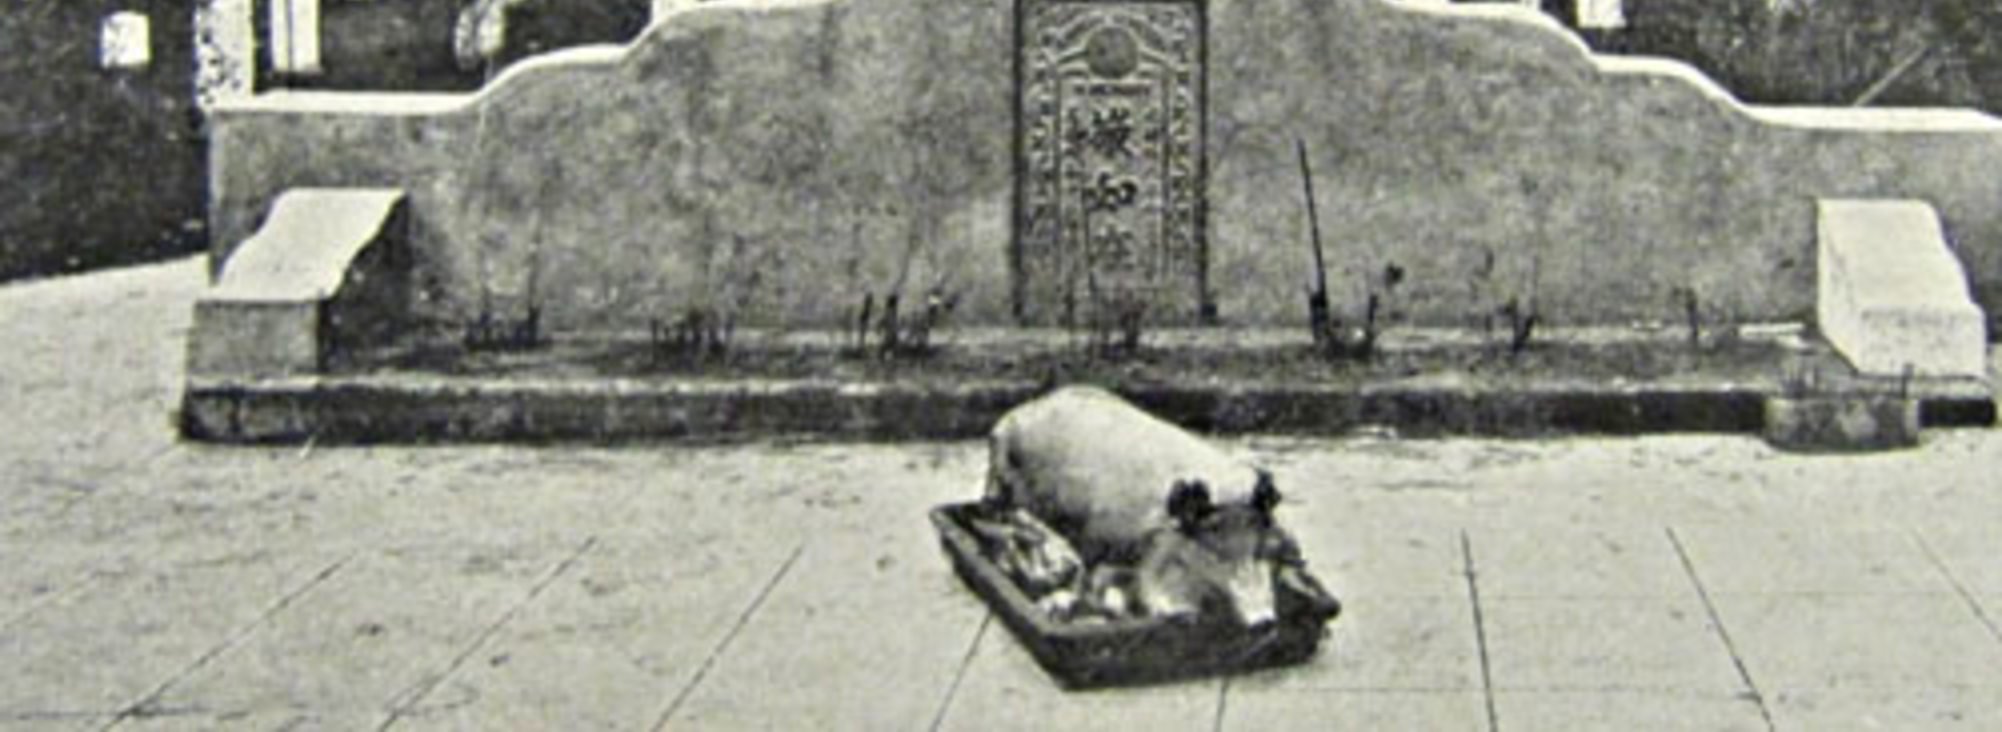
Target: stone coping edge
[[326, 410]]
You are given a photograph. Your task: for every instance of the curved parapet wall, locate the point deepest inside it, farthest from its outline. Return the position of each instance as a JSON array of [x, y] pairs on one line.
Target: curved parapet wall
[[780, 158], [770, 157], [1483, 151]]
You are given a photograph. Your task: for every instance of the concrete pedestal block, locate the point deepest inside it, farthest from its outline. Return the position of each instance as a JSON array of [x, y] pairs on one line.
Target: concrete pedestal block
[[1892, 295], [254, 338], [327, 273], [1842, 423]]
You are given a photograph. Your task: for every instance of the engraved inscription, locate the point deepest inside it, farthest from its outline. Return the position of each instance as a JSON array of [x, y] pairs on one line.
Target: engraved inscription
[[1109, 189]]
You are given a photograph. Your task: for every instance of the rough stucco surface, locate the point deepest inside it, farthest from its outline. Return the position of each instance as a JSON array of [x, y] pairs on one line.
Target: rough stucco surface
[[776, 157], [787, 156], [1438, 140]]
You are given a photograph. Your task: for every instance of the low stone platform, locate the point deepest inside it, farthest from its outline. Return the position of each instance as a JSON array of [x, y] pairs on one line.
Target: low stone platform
[[567, 393]]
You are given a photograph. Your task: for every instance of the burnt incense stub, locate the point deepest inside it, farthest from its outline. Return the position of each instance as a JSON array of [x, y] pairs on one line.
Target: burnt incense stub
[[1109, 185]]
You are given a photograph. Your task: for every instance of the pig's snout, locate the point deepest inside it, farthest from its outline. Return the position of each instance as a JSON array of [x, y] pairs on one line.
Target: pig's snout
[[1252, 595]]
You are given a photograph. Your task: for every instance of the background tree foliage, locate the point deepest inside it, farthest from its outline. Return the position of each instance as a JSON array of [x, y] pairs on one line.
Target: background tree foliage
[[1883, 52], [97, 166]]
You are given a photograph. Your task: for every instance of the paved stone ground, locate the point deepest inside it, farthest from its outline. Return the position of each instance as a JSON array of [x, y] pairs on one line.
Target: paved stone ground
[[1661, 583]]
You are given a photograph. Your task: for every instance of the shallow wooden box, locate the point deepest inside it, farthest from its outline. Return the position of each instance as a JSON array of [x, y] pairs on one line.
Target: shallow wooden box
[[1123, 652]]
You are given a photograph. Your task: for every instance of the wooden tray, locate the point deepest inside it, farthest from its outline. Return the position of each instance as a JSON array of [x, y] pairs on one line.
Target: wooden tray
[[1136, 651]]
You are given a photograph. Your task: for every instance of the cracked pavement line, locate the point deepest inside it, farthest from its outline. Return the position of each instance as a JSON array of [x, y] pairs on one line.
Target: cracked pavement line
[[959, 675], [417, 693], [743, 619], [142, 707], [1723, 633]]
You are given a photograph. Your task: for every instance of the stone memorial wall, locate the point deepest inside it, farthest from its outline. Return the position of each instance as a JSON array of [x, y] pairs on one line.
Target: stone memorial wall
[[778, 159]]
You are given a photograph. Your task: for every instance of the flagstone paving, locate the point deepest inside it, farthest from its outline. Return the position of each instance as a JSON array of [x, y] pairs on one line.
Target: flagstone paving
[[1666, 582]]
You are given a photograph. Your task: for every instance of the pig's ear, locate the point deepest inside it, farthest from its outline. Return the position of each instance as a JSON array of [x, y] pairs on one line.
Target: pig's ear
[[1264, 495], [1188, 502]]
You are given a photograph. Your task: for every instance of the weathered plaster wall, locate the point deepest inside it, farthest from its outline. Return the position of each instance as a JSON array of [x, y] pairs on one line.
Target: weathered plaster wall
[[777, 156], [1442, 137], [785, 156]]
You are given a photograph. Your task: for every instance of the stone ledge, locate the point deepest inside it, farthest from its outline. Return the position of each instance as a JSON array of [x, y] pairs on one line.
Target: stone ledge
[[327, 272], [362, 409], [1891, 295]]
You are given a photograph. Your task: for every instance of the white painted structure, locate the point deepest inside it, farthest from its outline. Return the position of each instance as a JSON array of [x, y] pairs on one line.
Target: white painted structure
[[1601, 14], [295, 36], [126, 41], [1892, 295], [225, 49]]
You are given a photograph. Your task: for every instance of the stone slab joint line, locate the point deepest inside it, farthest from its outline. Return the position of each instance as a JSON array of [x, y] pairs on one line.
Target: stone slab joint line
[[90, 578], [1724, 634], [105, 479], [424, 687], [965, 662], [716, 653], [1222, 697], [1480, 629], [1958, 587], [145, 705]]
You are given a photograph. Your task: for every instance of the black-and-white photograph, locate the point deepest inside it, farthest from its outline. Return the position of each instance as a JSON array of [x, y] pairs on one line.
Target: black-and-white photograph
[[866, 365]]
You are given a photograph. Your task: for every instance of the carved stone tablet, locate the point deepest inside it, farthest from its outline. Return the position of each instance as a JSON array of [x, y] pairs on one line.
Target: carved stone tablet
[[1109, 160]]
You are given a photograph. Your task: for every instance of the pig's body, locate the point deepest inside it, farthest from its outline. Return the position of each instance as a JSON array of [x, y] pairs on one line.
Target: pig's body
[[1100, 469], [1127, 487]]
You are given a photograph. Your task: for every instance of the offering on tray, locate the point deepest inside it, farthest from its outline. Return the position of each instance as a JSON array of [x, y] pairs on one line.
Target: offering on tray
[[1033, 555], [1048, 571], [1192, 523], [1120, 547]]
